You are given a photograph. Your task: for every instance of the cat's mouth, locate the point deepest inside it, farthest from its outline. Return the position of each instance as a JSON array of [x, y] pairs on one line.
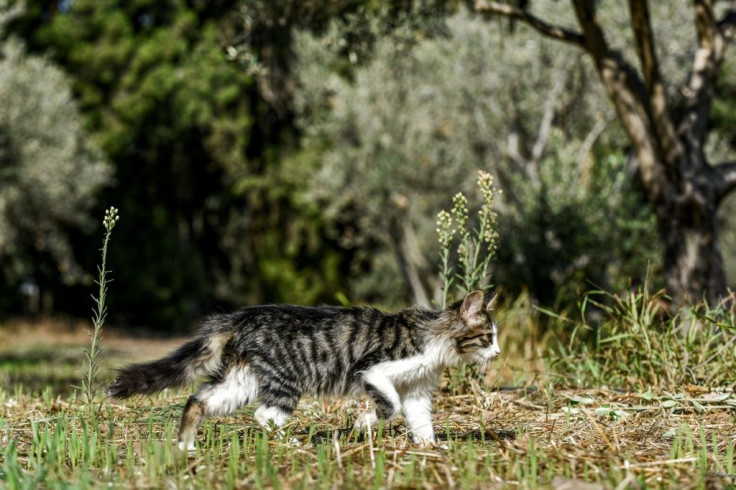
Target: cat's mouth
[[487, 354]]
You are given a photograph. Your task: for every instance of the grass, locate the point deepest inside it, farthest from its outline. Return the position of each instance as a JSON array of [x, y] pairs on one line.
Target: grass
[[635, 346], [554, 410], [511, 438]]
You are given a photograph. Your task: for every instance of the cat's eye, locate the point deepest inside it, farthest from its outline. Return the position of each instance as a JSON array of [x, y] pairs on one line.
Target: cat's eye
[[479, 340]]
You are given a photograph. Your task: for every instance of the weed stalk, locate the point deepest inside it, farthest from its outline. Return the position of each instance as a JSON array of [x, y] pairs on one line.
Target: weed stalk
[[99, 313]]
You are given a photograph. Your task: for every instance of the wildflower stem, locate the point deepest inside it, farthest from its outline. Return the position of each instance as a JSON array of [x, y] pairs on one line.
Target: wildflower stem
[[98, 314]]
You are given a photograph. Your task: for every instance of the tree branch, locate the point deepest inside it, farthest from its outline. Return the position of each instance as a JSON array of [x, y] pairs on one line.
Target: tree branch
[[549, 30], [641, 23], [7, 15], [725, 178], [549, 114], [587, 145], [713, 38], [670, 146], [512, 151], [727, 24], [627, 92], [398, 226]]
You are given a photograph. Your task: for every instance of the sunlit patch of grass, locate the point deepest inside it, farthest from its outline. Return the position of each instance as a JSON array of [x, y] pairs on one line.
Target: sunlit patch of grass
[[638, 346], [527, 438], [49, 355]]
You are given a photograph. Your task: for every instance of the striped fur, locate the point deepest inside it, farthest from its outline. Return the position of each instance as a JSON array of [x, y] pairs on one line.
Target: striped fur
[[277, 353]]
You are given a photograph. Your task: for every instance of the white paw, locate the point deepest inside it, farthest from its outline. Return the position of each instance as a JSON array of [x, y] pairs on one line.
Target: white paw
[[186, 446], [429, 443], [366, 420], [423, 440], [270, 417]]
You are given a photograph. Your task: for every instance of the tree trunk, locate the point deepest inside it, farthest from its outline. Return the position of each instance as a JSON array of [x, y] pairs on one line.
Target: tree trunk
[[682, 187], [693, 268]]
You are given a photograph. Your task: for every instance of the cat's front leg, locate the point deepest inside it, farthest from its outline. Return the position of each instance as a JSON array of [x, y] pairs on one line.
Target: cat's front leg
[[380, 388], [417, 410], [366, 420]]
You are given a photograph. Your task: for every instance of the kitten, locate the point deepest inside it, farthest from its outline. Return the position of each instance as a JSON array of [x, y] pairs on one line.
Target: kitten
[[276, 353]]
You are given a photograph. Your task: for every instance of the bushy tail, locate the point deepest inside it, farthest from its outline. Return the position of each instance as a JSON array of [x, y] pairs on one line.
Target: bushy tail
[[196, 357]]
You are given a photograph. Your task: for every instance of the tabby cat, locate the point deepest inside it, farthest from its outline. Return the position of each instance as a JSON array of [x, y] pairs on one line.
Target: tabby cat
[[276, 353]]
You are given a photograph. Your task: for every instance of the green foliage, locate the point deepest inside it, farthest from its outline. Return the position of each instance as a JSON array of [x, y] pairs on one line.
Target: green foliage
[[201, 145], [378, 174], [175, 117], [580, 225], [637, 347], [722, 147], [50, 172], [397, 105], [410, 127]]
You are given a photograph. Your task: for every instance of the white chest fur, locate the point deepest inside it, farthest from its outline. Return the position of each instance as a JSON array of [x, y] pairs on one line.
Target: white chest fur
[[407, 384]]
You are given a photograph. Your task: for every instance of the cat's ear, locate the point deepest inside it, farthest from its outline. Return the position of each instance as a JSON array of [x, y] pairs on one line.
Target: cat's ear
[[472, 306], [491, 301]]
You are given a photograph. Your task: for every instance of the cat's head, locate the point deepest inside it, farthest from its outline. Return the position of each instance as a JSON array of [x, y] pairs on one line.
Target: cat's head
[[475, 334]]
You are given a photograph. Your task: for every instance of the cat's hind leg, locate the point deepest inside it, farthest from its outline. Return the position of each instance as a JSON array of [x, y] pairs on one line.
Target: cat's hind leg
[[191, 419], [278, 400], [270, 415], [235, 388]]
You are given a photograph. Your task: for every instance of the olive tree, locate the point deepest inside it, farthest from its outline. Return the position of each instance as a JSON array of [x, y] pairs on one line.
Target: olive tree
[[410, 126], [666, 118], [50, 172]]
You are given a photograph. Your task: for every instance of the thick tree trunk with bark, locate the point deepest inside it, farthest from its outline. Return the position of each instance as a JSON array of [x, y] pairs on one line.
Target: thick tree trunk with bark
[[683, 189], [693, 266]]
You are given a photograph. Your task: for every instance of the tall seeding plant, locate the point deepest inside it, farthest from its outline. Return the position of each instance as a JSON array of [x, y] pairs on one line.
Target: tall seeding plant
[[470, 267], [99, 313]]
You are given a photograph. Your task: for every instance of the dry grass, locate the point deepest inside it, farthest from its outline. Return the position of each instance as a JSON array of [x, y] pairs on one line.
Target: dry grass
[[537, 434]]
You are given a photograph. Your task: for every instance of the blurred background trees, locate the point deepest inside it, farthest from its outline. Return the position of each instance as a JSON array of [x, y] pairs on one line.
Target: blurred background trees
[[299, 151], [667, 121], [560, 197], [50, 174]]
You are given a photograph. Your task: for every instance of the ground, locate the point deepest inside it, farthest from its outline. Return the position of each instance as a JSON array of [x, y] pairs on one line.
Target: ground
[[511, 426]]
